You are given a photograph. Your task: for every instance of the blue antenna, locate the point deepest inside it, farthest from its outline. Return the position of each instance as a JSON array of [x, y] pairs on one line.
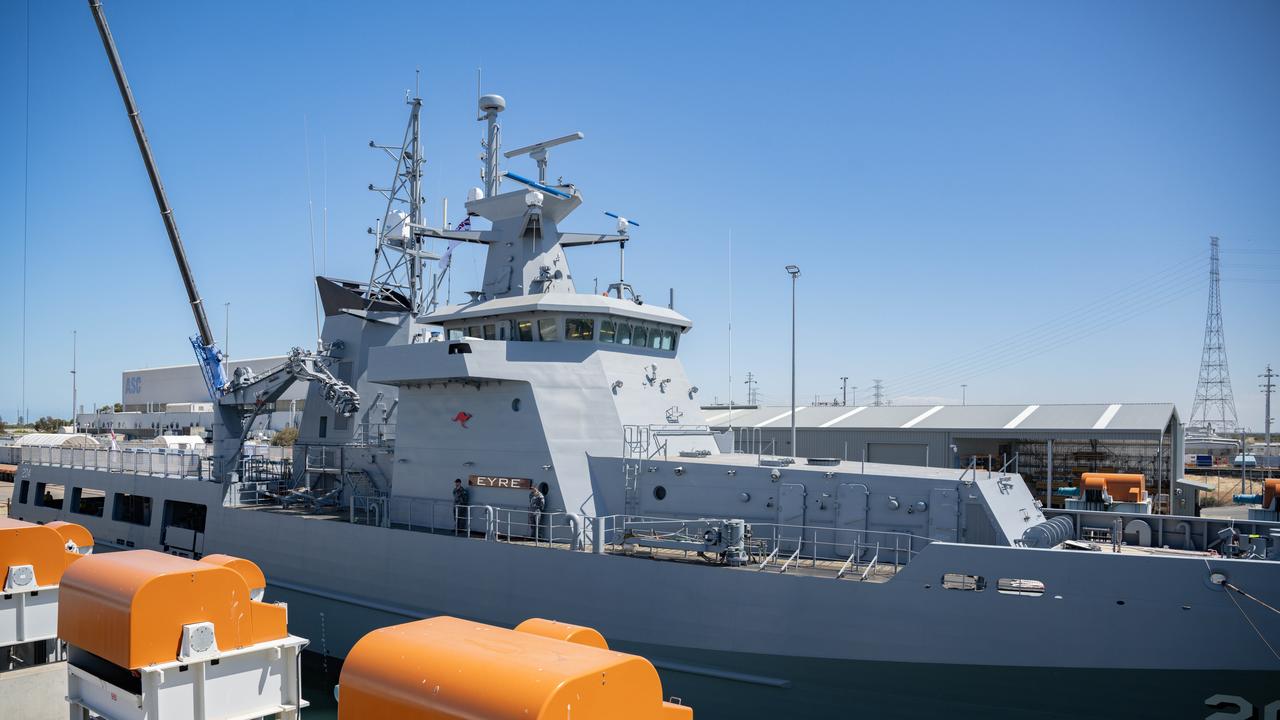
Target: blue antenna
[[535, 184], [621, 220]]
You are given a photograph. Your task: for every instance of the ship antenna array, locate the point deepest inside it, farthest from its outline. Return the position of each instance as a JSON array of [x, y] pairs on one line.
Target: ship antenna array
[[210, 358], [490, 106], [398, 255]]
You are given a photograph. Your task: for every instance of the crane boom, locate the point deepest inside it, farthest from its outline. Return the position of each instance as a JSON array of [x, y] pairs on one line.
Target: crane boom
[[206, 349]]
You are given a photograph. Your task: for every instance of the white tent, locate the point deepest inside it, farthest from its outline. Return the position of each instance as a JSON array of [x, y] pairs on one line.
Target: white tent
[[58, 440], [180, 442]]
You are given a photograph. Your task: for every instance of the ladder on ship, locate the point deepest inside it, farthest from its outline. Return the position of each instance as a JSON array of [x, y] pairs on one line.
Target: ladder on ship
[[638, 446]]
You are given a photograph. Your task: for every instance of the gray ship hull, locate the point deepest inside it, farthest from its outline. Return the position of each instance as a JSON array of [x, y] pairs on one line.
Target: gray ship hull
[[1112, 636]]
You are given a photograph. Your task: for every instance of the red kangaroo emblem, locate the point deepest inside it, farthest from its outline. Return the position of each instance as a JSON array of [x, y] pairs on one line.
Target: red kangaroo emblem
[[462, 417]]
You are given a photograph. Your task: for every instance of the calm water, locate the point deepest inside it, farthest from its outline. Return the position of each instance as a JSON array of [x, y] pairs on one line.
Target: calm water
[[317, 686]]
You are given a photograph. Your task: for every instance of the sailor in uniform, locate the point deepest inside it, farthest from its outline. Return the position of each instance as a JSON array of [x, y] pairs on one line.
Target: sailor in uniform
[[537, 501], [461, 499]]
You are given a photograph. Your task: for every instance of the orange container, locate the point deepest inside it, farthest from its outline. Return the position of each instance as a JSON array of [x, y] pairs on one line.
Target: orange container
[[44, 547], [129, 607], [1122, 487], [444, 668]]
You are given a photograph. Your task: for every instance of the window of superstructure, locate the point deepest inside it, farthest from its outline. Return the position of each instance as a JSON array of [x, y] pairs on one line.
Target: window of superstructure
[[655, 338], [88, 501], [132, 509], [547, 329], [23, 490], [624, 334], [189, 516], [474, 331], [640, 336], [579, 328], [49, 495], [608, 331], [490, 331], [668, 339], [455, 334], [504, 329], [524, 330]]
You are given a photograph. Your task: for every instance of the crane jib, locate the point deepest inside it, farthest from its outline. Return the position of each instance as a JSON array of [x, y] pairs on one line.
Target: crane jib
[[207, 353]]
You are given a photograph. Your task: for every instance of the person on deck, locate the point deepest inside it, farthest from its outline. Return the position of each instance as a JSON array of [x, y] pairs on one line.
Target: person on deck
[[537, 501], [461, 499]]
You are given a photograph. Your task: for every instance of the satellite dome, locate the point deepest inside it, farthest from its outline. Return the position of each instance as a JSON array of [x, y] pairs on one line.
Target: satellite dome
[[493, 103]]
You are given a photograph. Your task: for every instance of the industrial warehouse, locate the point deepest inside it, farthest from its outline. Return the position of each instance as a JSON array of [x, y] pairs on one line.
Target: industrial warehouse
[[174, 400], [1049, 445]]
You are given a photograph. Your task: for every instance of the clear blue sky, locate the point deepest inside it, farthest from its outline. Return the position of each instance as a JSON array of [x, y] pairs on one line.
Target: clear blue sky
[[965, 185]]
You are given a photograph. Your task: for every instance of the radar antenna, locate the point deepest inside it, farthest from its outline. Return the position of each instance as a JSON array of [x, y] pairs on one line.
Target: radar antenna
[[538, 151], [398, 255], [490, 106], [622, 285]]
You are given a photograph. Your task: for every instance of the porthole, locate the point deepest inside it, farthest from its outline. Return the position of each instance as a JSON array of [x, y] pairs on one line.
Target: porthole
[[544, 489], [1119, 602], [659, 493], [515, 405]]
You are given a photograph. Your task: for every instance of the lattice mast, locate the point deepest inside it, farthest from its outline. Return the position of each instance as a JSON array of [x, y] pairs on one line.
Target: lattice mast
[[1214, 408], [398, 256]]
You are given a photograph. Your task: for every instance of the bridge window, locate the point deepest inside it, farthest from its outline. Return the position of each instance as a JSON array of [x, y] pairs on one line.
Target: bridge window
[[624, 334], [579, 329], [547, 329], [655, 338], [1018, 586], [455, 333], [474, 331], [88, 501], [608, 330], [960, 581], [49, 495], [524, 330], [490, 331], [640, 336], [669, 339], [132, 509]]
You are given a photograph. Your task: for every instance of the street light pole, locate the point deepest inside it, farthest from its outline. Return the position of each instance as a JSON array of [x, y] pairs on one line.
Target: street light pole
[[794, 272]]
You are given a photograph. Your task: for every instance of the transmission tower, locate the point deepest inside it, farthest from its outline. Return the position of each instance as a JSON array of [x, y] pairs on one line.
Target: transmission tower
[[752, 388], [877, 393], [1214, 408]]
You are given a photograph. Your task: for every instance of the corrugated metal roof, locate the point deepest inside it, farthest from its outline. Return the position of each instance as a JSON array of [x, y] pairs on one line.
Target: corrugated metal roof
[[1100, 417]]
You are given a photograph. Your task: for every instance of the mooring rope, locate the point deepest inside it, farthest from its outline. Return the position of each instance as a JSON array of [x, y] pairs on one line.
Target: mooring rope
[[1244, 614]]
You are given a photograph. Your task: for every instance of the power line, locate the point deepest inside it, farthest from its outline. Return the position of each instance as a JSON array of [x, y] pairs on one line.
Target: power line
[[1047, 339], [23, 411], [1171, 274]]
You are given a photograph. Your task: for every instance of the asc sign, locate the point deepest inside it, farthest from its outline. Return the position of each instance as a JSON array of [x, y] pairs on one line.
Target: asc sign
[[495, 481]]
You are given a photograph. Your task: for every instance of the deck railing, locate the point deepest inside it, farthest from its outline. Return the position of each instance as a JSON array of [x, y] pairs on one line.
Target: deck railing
[[159, 462], [772, 547]]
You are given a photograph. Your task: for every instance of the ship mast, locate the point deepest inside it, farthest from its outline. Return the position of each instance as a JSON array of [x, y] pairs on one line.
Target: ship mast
[[398, 256]]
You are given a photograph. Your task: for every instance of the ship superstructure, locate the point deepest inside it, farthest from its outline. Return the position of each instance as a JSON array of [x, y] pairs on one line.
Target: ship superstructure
[[754, 582]]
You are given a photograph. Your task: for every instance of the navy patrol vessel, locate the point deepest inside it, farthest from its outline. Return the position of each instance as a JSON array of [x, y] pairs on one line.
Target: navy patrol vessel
[[754, 581]]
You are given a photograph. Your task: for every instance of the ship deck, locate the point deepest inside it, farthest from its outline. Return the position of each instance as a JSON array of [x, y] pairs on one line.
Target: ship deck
[[800, 566]]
